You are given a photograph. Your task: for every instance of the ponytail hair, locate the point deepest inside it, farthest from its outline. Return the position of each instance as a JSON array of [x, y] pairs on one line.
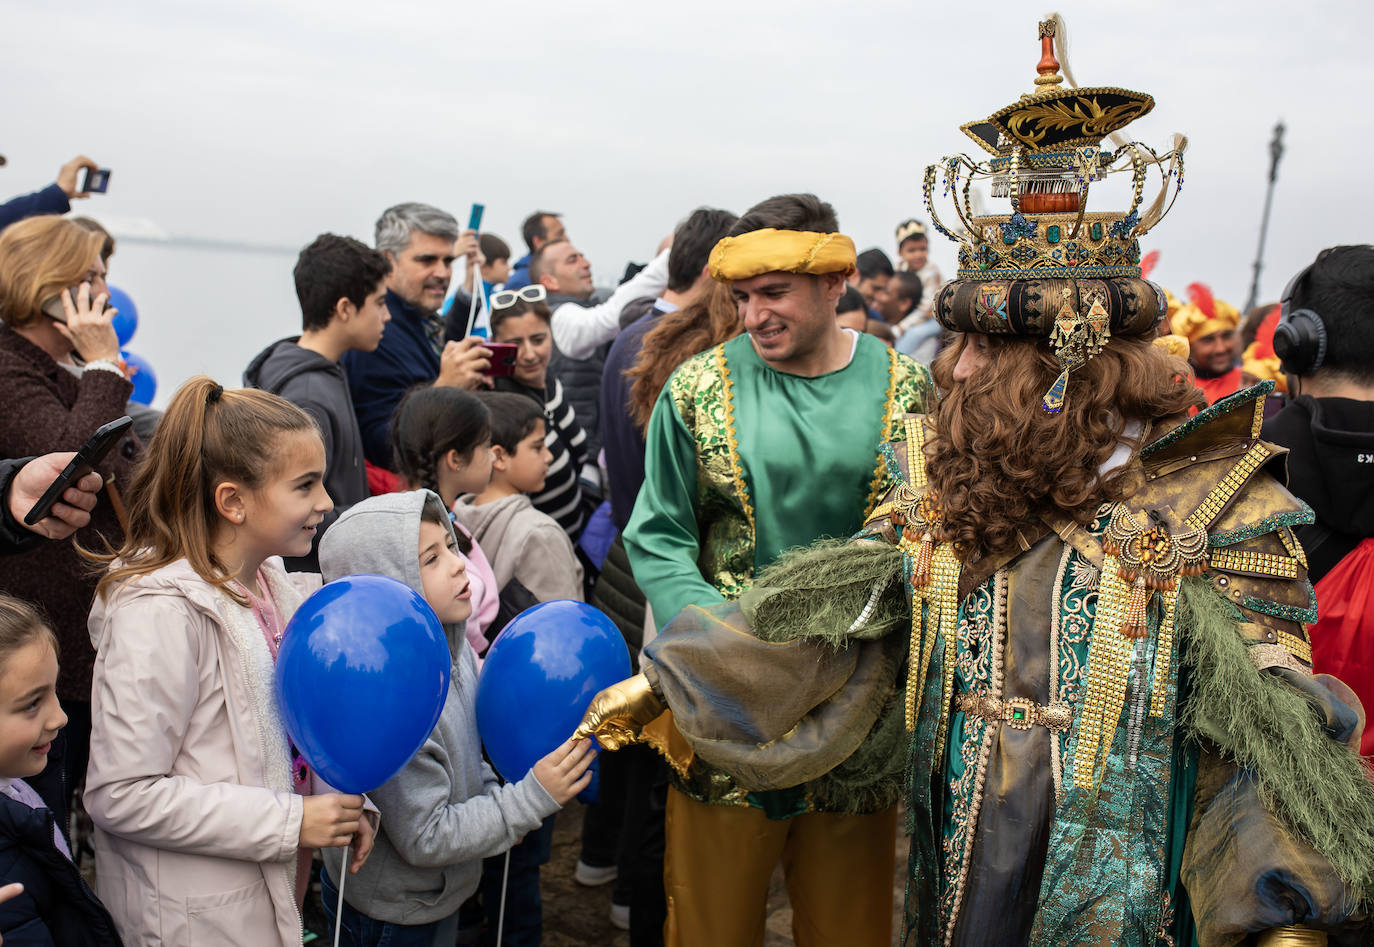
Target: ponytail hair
[[430, 422], [207, 436], [20, 623]]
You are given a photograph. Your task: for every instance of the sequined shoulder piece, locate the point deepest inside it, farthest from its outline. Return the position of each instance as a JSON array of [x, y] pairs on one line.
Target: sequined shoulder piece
[[1257, 563], [1217, 478], [1236, 417]]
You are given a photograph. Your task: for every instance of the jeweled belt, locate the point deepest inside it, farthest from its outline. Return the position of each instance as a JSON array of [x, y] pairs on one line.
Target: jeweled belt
[[1020, 713]]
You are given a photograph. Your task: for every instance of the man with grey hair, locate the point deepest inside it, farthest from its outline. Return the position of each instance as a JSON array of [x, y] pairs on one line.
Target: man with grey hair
[[421, 242]]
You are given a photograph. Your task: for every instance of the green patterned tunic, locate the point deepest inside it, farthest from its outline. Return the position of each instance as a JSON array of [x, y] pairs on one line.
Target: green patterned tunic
[[744, 462]]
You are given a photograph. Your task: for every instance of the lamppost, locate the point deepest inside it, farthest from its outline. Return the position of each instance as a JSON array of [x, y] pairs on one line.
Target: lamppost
[[1275, 153]]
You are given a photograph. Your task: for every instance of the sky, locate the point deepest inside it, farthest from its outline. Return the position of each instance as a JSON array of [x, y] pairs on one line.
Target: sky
[[270, 122]]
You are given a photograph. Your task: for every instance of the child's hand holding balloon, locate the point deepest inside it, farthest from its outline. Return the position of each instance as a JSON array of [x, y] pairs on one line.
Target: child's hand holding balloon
[[564, 773]]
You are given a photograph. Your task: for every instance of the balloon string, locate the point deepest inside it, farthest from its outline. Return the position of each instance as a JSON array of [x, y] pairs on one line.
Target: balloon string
[[338, 908], [501, 914]]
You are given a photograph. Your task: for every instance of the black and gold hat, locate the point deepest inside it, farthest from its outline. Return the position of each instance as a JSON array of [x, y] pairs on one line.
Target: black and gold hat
[[1051, 268]]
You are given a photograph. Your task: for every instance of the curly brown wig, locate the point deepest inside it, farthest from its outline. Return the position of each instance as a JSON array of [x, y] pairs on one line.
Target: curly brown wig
[[997, 461], [711, 319]]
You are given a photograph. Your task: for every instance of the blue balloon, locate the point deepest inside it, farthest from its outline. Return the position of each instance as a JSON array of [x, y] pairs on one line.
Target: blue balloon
[[145, 379], [538, 678], [362, 675], [126, 319]]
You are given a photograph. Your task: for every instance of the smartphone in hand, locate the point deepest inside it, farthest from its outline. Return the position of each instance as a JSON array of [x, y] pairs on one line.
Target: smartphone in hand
[[503, 356], [92, 452], [94, 181], [52, 306]]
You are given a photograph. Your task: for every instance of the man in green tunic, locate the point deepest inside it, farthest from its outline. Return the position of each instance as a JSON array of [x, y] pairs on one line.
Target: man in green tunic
[[758, 445]]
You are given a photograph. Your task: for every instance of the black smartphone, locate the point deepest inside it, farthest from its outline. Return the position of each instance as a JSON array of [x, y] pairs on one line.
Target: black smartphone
[[92, 452], [475, 217], [94, 181]]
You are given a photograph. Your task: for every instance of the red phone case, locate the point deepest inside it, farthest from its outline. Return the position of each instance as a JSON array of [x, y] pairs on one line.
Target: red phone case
[[503, 356]]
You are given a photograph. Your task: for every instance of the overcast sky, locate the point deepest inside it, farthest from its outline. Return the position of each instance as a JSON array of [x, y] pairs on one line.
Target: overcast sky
[[274, 121]]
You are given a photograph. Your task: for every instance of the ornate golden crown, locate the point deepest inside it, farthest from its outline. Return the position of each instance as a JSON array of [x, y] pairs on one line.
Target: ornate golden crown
[[1050, 268]]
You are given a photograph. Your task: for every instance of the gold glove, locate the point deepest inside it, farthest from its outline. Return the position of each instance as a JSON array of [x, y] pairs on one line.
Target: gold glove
[[618, 713], [1293, 936]]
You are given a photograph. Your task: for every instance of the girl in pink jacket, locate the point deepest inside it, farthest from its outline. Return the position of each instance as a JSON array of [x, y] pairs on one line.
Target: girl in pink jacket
[[204, 822]]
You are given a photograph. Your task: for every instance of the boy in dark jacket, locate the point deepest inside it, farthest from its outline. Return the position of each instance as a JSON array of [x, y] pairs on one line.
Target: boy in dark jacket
[[341, 286]]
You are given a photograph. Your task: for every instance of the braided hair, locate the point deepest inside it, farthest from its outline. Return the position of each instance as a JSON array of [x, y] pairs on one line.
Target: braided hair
[[430, 422]]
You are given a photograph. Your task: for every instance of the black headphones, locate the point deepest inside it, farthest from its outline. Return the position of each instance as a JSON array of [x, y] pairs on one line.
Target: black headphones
[[1300, 336]]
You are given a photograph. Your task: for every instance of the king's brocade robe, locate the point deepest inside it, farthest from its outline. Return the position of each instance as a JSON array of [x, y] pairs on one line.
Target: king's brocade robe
[[1068, 784]]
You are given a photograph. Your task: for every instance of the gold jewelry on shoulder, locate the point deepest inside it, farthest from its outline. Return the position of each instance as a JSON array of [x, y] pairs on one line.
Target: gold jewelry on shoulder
[[1150, 557]]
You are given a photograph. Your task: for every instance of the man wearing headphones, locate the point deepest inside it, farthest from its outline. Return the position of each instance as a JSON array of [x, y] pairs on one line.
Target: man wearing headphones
[[1325, 339]]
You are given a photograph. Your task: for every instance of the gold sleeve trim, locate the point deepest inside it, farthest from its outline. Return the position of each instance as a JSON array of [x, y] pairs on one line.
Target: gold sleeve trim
[[1216, 501], [1254, 563], [1290, 542], [732, 439], [1272, 655], [1295, 646], [875, 490]]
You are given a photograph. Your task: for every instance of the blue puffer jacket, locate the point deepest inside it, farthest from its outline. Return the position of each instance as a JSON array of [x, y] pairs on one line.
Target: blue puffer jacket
[[57, 908]]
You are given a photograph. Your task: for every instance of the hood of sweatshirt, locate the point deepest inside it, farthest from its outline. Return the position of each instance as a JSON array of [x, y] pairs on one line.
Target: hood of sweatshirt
[[282, 361], [1330, 445], [490, 519], [381, 535]]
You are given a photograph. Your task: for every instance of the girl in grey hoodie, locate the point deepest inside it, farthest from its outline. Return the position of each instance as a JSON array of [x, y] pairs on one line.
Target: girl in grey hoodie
[[446, 810]]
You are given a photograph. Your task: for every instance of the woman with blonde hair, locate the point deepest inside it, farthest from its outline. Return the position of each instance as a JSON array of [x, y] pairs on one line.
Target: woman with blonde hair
[[52, 305]]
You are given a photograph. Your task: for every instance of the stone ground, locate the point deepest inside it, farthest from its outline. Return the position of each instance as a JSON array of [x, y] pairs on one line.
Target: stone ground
[[575, 916]]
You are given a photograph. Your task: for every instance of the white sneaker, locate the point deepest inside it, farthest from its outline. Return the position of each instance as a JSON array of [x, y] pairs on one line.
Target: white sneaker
[[620, 916], [590, 877]]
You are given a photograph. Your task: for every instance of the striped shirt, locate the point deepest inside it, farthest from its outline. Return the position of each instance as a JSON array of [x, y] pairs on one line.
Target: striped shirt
[[561, 497]]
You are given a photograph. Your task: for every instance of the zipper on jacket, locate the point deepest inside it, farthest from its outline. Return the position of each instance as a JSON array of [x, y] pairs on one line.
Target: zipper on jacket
[[262, 753]]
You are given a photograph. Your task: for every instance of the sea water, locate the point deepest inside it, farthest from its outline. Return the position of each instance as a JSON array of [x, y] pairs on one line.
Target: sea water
[[205, 310]]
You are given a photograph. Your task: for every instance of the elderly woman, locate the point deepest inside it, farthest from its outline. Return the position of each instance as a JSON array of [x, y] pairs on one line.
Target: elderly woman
[[60, 379]]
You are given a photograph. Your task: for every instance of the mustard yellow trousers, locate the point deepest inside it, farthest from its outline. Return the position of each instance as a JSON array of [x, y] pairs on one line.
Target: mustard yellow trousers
[[838, 868]]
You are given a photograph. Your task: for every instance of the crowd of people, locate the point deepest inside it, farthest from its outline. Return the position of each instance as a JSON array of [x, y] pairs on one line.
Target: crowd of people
[[731, 441]]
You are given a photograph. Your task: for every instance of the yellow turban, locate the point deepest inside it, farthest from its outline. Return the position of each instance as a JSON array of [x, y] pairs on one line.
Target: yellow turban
[[1204, 315], [1173, 304], [1174, 345], [788, 251], [1259, 359], [1264, 366]]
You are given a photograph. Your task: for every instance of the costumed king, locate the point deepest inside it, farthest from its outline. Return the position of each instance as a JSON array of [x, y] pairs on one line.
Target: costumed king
[[1115, 734]]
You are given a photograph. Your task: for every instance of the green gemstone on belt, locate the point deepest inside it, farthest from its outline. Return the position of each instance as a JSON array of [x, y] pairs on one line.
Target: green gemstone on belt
[[1018, 713]]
